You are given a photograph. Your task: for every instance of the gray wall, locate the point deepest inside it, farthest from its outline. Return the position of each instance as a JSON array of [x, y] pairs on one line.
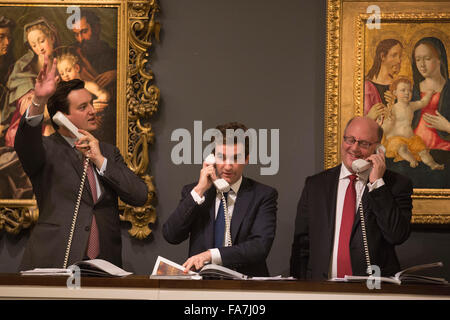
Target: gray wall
[[259, 62]]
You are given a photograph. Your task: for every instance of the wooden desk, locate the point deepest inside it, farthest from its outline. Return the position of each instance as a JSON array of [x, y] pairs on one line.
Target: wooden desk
[[141, 287]]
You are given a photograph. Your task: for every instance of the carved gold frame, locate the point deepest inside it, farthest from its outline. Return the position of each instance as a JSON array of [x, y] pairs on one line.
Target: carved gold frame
[[137, 101], [345, 65]]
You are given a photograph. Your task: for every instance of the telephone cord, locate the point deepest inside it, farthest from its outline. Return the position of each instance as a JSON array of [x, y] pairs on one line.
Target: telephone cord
[[75, 213], [365, 243], [227, 222]]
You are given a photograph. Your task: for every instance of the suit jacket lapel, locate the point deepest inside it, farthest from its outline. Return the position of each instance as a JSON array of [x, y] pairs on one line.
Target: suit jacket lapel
[[102, 189], [364, 204], [332, 184], [210, 206], [71, 153], [243, 200], [77, 164]]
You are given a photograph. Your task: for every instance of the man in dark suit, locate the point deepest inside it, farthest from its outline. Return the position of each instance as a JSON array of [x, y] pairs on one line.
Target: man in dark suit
[[55, 165], [329, 243], [251, 205]]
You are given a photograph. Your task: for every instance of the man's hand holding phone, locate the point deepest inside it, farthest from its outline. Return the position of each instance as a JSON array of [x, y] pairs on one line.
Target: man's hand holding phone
[[89, 146], [207, 176], [378, 165]]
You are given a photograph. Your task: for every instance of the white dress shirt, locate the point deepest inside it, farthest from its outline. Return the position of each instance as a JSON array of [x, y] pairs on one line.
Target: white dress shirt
[[361, 182], [232, 194]]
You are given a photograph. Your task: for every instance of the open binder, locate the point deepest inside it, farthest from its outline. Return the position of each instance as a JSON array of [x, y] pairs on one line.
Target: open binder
[[405, 276], [166, 269], [96, 267]]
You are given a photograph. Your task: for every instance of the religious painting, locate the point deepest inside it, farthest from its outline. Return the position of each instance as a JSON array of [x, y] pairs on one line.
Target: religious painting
[[393, 60], [84, 48], [105, 44]]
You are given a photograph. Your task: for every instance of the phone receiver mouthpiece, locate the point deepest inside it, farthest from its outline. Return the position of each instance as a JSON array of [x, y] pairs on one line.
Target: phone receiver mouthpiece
[[222, 185], [360, 165]]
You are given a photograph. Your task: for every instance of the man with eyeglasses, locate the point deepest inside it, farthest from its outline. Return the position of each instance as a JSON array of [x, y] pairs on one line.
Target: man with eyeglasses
[[329, 240]]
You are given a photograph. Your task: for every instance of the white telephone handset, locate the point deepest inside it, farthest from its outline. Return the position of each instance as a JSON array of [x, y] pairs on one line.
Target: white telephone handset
[[220, 184], [61, 120], [361, 165]]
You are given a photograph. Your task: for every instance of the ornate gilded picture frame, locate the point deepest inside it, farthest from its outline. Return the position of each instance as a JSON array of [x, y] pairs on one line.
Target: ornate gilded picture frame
[[373, 48], [114, 60]]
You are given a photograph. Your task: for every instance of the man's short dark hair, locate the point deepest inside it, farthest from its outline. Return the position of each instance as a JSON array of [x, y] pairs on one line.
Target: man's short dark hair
[[234, 126], [58, 101]]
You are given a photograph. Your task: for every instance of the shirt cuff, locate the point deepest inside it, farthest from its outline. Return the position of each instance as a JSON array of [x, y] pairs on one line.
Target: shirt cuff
[[378, 183], [197, 198], [33, 121], [102, 170], [215, 256]]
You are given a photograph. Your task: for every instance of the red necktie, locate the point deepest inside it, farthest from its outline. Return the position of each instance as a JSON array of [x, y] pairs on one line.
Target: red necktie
[[93, 248], [344, 263]]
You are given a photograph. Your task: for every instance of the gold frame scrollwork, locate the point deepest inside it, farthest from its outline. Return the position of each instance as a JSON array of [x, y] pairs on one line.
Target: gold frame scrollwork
[[14, 218], [142, 102], [137, 101], [346, 21]]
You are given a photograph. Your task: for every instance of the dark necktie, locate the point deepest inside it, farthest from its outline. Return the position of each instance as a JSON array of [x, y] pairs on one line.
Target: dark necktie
[[219, 226], [93, 248], [344, 263]]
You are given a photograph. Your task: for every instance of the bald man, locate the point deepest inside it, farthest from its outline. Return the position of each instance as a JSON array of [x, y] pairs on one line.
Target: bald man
[[328, 239]]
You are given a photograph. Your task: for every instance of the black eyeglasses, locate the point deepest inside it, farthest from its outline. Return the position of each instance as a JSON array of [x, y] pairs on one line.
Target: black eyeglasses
[[362, 143]]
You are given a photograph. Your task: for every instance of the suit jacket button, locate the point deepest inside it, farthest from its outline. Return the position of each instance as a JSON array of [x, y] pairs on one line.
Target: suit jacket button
[[87, 228]]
